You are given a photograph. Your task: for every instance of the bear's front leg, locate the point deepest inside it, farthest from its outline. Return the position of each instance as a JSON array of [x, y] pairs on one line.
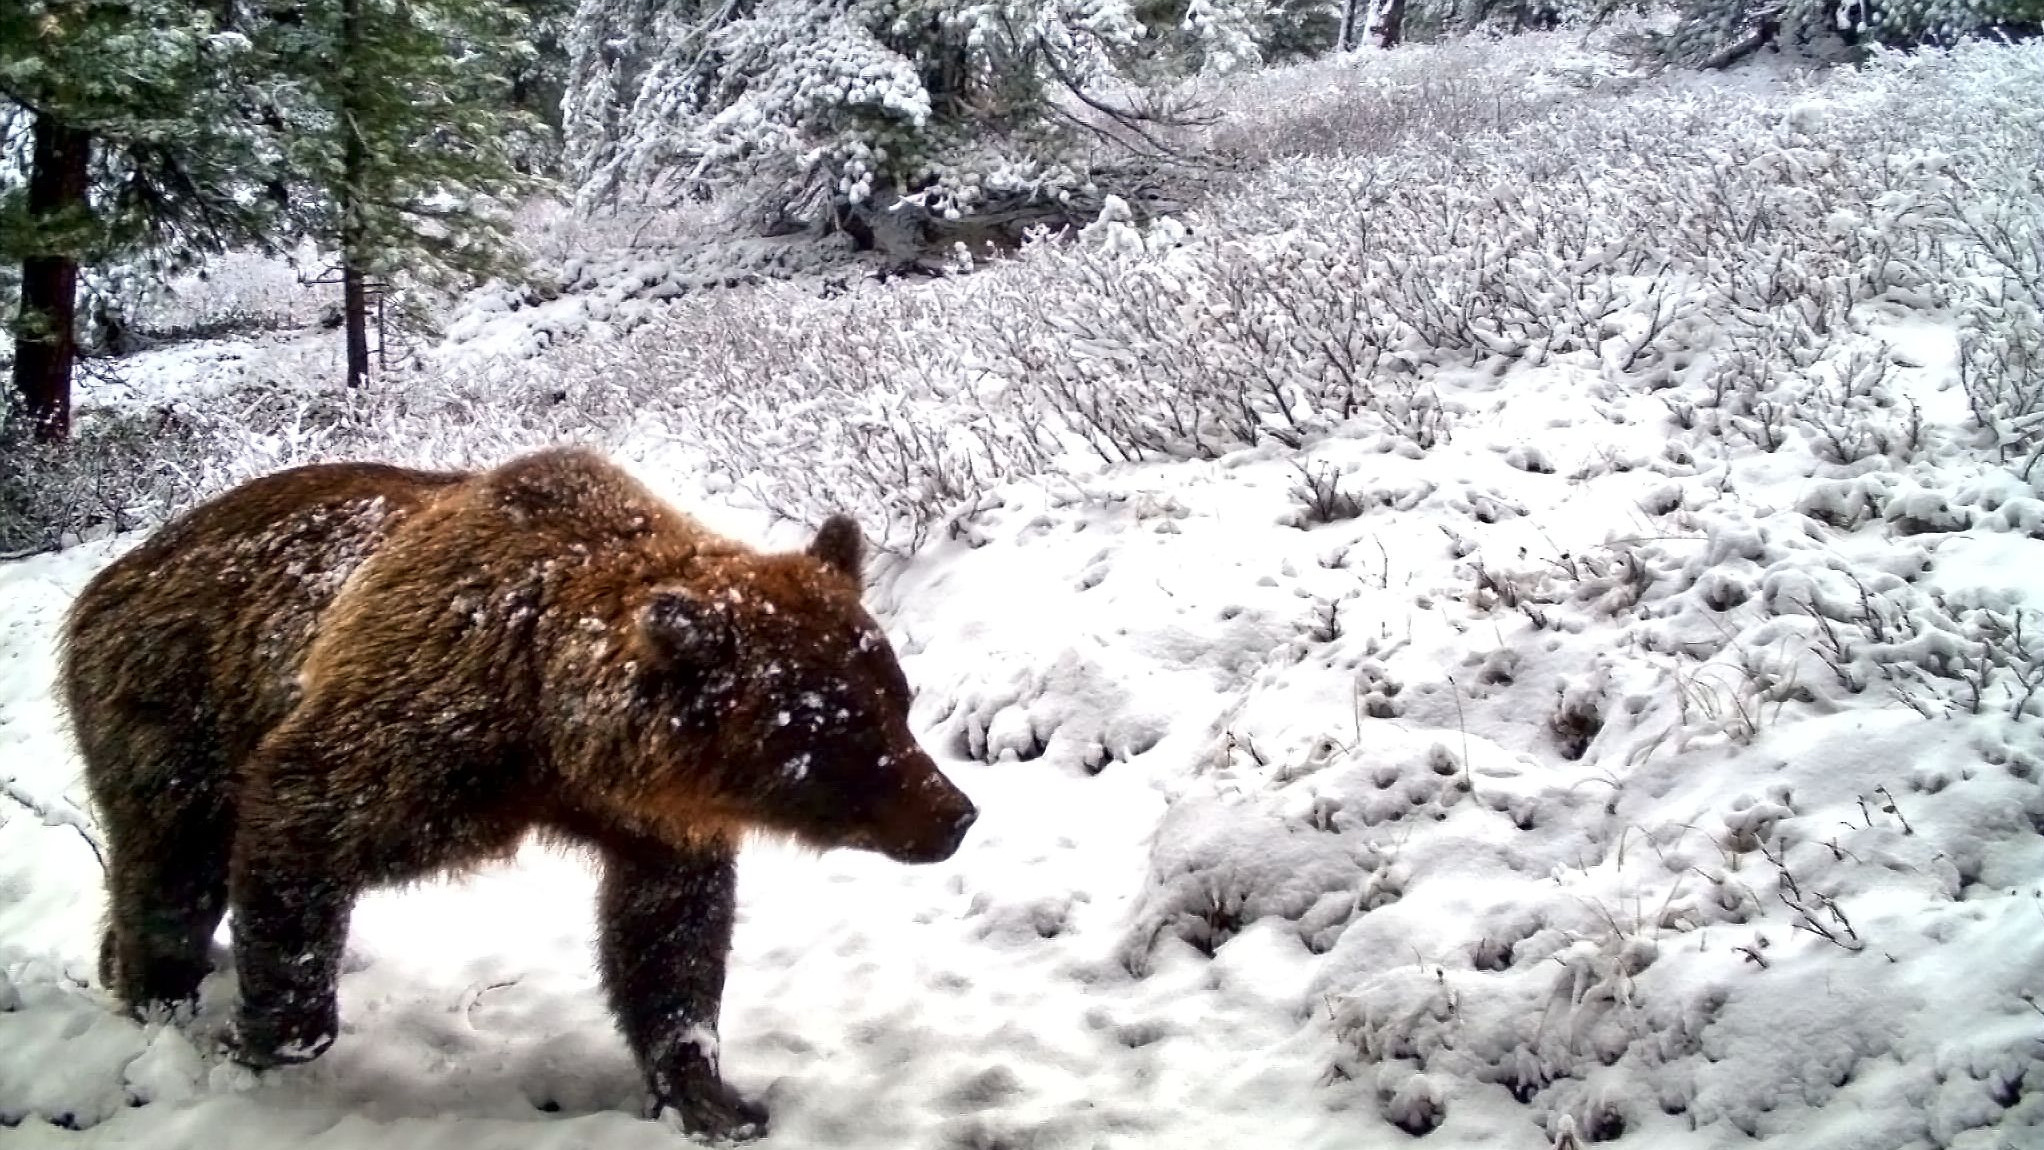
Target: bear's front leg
[[666, 916], [290, 924]]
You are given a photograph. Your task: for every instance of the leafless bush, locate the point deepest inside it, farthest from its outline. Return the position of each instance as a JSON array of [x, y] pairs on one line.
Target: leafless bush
[[117, 473], [2001, 360], [1369, 103], [1816, 913], [129, 468], [1934, 655], [236, 293], [1322, 498]]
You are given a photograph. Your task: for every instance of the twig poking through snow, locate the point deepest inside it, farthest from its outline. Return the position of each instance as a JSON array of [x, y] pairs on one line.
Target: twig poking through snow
[[471, 997], [54, 816], [1894, 808], [1468, 772], [1807, 908]]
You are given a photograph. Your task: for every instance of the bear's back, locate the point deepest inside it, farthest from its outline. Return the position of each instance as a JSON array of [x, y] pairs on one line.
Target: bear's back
[[204, 625], [563, 528]]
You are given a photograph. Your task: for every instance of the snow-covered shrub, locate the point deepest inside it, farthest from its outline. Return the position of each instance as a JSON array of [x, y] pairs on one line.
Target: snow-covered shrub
[[1369, 103], [235, 293], [2001, 355], [135, 466], [116, 474], [816, 406], [1324, 497], [1222, 862], [1714, 248], [555, 233], [1710, 247]]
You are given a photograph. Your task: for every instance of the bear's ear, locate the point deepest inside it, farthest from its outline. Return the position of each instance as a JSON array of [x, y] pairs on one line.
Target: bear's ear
[[686, 629], [840, 546]]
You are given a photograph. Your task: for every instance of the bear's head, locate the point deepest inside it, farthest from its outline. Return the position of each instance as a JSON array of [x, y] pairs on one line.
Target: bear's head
[[771, 670]]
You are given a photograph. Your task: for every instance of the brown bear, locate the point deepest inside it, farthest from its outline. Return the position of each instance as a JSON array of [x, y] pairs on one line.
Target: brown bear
[[349, 675]]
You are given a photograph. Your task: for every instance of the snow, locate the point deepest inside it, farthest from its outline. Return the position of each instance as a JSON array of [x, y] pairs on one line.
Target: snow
[[1567, 751], [1238, 879]]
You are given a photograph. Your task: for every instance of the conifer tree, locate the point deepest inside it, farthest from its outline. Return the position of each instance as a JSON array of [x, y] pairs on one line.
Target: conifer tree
[[1717, 32], [865, 114], [165, 130], [538, 81], [126, 137], [399, 135]]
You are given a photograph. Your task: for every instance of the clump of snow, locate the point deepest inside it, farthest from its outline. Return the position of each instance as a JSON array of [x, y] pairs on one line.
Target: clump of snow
[[170, 1070]]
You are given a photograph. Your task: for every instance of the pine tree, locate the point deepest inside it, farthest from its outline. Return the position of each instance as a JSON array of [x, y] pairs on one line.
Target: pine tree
[[1218, 37], [863, 114], [127, 126], [1212, 36], [400, 138], [1293, 30], [1713, 33], [539, 80]]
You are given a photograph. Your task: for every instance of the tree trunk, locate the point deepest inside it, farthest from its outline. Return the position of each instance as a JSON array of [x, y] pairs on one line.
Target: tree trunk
[[1760, 37], [355, 306], [45, 334], [1345, 36], [1390, 27], [354, 299]]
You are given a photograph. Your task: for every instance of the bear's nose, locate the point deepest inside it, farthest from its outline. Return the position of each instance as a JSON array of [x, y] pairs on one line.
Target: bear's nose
[[955, 837]]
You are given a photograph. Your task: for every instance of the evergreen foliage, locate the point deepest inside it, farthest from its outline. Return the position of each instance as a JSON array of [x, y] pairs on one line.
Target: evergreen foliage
[[157, 85], [122, 134], [142, 135], [1715, 32], [840, 108], [538, 80], [395, 126]]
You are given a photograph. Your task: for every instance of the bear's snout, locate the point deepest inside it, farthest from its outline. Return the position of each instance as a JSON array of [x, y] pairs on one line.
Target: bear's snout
[[932, 822], [959, 826]]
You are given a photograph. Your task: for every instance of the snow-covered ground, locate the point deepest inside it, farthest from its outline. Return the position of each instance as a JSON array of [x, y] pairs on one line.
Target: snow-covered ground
[[1629, 731]]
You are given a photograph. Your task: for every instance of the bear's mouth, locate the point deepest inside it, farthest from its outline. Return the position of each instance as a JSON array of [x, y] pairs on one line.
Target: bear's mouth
[[928, 845]]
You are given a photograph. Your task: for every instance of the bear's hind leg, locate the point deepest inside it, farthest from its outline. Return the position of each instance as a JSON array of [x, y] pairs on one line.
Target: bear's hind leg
[[169, 830], [167, 888], [665, 915]]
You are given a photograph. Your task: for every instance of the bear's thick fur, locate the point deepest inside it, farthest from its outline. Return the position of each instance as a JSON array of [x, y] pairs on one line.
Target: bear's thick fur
[[349, 675]]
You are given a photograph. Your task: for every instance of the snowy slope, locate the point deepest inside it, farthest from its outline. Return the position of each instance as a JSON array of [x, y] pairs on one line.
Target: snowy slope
[[1292, 833], [1606, 733]]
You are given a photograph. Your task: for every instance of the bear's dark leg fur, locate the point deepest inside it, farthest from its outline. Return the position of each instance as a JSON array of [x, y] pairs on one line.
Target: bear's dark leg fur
[[167, 888], [291, 907], [169, 833], [666, 915]]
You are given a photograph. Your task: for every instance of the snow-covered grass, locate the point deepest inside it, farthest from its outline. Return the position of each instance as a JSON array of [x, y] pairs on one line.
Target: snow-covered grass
[[1527, 637]]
